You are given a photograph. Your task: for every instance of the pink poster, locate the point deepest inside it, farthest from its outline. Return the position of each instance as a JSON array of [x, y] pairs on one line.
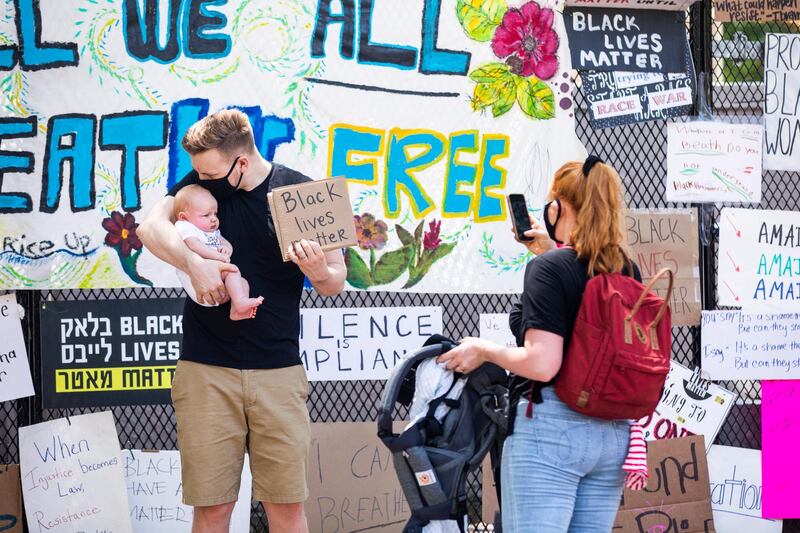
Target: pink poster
[[780, 432]]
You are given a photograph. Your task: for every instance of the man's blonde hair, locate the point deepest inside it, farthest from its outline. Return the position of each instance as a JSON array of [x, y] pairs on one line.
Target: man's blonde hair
[[185, 196], [228, 131]]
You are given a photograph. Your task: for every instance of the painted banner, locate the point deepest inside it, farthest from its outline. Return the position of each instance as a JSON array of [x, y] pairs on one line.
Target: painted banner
[[688, 406], [780, 433], [352, 482], [669, 5], [10, 499], [15, 373], [72, 475], [636, 40], [660, 238], [155, 493], [619, 98], [743, 346], [756, 10], [714, 162], [781, 101], [736, 491], [432, 110], [759, 261], [494, 327]]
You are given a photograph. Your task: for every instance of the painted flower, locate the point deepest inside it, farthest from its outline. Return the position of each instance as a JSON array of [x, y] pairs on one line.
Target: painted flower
[[431, 240], [371, 233], [527, 40], [122, 233]]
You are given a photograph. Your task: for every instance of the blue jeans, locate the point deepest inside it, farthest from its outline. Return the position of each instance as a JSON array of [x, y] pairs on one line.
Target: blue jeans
[[561, 470]]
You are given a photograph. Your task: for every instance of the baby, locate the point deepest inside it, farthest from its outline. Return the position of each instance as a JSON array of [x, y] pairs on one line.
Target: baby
[[196, 214]]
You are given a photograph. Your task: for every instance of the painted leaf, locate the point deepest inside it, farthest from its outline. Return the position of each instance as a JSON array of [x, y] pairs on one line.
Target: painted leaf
[[535, 97], [419, 230], [391, 265], [357, 270], [405, 237], [506, 96], [480, 18], [429, 257], [489, 73]]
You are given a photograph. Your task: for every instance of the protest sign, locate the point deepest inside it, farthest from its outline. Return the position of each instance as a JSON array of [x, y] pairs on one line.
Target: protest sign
[[745, 346], [155, 493], [431, 110], [668, 5], [780, 433], [758, 263], [490, 504], [756, 10], [352, 482], [627, 40], [15, 373], [315, 211], [782, 100], [688, 406], [736, 494], [72, 475], [10, 499], [494, 327], [714, 162], [668, 239], [676, 497], [362, 343]]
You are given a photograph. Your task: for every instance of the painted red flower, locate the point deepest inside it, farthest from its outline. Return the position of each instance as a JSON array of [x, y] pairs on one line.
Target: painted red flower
[[371, 233], [431, 240], [527, 40], [122, 233]]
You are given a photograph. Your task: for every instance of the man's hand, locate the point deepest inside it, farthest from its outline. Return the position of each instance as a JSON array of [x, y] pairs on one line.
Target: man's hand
[[206, 276], [308, 255]]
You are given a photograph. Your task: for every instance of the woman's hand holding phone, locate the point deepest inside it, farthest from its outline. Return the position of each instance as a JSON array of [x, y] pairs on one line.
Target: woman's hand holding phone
[[540, 242]]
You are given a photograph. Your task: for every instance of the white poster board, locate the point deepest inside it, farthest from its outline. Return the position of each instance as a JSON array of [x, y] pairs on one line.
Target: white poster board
[[494, 327], [72, 476], [362, 343], [758, 266], [781, 106], [735, 477], [15, 374], [155, 493], [714, 162], [743, 346], [688, 406]]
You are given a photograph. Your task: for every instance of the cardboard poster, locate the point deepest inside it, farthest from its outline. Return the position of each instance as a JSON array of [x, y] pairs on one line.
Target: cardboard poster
[[627, 40], [494, 327], [667, 5], [668, 239], [489, 501], [736, 491], [15, 373], [781, 103], [155, 493], [72, 475], [352, 481], [738, 345], [677, 496], [780, 433], [10, 499], [756, 10], [688, 406], [757, 264], [714, 162]]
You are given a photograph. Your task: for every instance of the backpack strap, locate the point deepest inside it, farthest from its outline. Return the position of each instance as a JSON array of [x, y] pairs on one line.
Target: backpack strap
[[661, 311]]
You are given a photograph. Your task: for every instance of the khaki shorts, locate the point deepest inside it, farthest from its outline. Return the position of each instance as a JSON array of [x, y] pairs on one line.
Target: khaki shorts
[[223, 411]]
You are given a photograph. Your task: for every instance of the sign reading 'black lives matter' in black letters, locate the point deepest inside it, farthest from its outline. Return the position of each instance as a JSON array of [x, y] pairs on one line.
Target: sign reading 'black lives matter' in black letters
[[634, 40]]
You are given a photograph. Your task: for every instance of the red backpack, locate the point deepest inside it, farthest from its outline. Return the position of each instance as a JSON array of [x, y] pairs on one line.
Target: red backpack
[[618, 356]]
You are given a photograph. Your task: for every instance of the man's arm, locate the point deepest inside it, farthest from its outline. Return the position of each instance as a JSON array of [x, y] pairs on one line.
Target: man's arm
[[325, 270]]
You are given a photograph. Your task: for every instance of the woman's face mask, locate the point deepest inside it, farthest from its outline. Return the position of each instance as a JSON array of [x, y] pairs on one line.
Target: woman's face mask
[[551, 226], [221, 188]]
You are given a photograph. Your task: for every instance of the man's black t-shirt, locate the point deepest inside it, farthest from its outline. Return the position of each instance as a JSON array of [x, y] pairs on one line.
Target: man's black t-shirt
[[270, 340]]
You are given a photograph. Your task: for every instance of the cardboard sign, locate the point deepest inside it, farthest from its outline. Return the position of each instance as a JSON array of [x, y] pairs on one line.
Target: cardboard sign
[[744, 346], [756, 10], [15, 373], [714, 162], [627, 40], [668, 239], [490, 504], [362, 343], [494, 327], [688, 406], [10, 499], [316, 211], [155, 493], [667, 5], [780, 433], [618, 98], [72, 475], [757, 259], [352, 481], [736, 491], [781, 103], [677, 497]]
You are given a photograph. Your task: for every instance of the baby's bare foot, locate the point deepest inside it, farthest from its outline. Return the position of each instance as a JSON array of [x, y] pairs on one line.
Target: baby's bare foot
[[246, 308]]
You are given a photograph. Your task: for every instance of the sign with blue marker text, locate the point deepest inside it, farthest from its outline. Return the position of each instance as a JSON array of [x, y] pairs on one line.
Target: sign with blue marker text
[[10, 499]]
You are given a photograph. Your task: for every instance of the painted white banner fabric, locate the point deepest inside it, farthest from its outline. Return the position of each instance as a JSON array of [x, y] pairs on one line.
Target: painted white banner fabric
[[433, 110]]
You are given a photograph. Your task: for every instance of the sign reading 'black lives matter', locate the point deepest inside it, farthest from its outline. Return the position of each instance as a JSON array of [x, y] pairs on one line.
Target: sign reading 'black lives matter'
[[637, 40]]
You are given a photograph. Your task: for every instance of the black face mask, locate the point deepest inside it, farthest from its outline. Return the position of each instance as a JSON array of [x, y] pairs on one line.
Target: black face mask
[[551, 228], [221, 188]]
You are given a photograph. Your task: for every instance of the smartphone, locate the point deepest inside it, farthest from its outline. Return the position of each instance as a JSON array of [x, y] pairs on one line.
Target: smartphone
[[519, 216]]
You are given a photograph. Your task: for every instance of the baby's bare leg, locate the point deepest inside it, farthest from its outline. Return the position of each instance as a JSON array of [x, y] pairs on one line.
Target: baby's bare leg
[[242, 306]]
